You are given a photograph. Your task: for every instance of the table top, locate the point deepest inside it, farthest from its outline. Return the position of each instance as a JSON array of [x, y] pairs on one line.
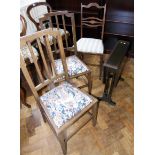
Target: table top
[[117, 55]]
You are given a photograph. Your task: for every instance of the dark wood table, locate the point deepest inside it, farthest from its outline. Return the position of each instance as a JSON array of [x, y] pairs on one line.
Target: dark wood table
[[113, 69]]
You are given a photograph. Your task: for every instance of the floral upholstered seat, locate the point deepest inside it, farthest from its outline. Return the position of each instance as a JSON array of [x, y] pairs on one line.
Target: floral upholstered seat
[[90, 45], [63, 102], [25, 52], [74, 64]]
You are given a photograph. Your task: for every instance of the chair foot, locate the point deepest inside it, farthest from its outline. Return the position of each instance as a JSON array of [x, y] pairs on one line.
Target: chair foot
[[94, 114], [63, 143]]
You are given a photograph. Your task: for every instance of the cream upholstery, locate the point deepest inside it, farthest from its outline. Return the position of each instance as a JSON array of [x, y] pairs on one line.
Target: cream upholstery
[[90, 45]]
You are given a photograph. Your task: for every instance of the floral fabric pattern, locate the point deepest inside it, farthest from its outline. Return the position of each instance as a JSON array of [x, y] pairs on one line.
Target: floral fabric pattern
[[74, 64], [25, 52], [64, 102]]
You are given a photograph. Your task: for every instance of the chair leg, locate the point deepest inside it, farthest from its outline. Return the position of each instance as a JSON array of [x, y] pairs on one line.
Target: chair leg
[[81, 56], [43, 115], [94, 113], [63, 142], [101, 64], [89, 78], [23, 97]]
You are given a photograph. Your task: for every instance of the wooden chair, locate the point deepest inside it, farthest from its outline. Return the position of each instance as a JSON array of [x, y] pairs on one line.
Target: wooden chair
[[37, 10], [62, 105], [76, 67], [92, 45], [27, 57]]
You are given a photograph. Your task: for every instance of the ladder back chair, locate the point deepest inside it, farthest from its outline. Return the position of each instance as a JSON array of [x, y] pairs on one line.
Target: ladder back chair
[[92, 45], [76, 67], [62, 104]]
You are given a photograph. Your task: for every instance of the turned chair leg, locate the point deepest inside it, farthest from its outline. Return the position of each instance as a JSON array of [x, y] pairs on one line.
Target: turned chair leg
[[63, 142], [89, 78], [101, 64], [94, 114]]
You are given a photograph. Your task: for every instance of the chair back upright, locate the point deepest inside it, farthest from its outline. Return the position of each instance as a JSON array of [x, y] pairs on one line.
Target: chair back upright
[[23, 26], [37, 10], [56, 21], [50, 75], [93, 21]]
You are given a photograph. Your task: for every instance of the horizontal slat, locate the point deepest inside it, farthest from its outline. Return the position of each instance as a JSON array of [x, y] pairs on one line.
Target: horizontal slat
[[75, 130], [42, 85]]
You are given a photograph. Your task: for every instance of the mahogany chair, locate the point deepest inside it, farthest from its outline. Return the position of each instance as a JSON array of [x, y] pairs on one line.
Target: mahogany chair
[[76, 67], [23, 26], [37, 10], [62, 104], [92, 45]]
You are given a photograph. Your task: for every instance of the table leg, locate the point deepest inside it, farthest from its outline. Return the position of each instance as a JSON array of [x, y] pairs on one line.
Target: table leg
[[108, 88]]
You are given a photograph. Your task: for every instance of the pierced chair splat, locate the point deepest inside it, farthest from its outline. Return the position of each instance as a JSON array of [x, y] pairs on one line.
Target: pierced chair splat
[[62, 104]]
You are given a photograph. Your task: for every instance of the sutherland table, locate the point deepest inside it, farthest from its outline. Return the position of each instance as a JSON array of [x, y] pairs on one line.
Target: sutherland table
[[113, 69]]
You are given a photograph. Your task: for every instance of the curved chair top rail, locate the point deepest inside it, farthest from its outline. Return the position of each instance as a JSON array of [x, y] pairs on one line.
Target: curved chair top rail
[[32, 6], [93, 21], [92, 5], [24, 26]]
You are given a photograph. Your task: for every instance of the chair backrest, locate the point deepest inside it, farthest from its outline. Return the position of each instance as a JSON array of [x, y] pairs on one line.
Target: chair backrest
[[93, 21], [23, 26], [58, 20], [36, 10], [50, 76]]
